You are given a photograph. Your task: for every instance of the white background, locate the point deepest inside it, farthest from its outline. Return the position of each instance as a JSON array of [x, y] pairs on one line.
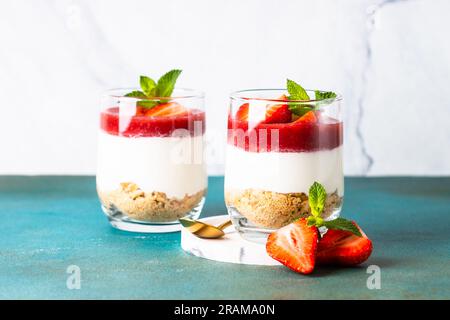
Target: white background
[[390, 60]]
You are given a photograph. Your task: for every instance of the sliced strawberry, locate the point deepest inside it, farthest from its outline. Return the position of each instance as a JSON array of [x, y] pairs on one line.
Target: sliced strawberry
[[242, 113], [308, 117], [338, 247], [294, 246], [167, 109], [279, 113], [140, 111]]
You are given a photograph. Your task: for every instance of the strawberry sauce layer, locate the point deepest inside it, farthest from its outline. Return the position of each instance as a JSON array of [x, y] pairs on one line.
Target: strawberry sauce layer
[[325, 134], [146, 126]]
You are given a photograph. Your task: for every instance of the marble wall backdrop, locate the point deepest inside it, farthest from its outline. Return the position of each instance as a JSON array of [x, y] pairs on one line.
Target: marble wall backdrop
[[390, 59]]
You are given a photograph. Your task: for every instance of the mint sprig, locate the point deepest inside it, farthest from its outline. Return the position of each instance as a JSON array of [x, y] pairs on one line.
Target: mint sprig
[[297, 92], [148, 104], [342, 224], [324, 95], [299, 109], [166, 83], [136, 94], [151, 89], [148, 85], [317, 198]]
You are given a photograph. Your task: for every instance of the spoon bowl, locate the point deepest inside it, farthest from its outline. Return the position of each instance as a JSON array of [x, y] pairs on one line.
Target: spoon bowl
[[204, 230]]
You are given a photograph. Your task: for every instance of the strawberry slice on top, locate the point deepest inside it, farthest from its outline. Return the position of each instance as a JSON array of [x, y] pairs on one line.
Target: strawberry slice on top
[[242, 113], [275, 113], [140, 111], [339, 247], [278, 113], [294, 246], [169, 109]]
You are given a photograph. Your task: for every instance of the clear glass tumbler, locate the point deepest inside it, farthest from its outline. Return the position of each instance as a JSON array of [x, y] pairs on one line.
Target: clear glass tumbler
[[273, 156], [150, 169]]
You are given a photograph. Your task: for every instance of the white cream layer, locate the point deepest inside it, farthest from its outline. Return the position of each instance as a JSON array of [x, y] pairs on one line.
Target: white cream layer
[[173, 165], [284, 172]]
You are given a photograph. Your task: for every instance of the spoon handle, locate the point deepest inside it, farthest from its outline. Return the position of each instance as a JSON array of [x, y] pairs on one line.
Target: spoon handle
[[224, 225]]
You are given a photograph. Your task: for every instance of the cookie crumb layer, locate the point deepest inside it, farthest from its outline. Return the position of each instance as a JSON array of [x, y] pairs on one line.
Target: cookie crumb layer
[[274, 210], [151, 206]]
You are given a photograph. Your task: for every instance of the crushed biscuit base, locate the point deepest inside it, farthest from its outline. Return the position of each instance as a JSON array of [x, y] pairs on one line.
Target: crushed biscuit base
[[154, 206], [275, 210]]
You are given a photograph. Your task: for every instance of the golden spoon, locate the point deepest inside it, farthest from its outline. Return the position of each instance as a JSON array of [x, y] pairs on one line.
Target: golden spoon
[[204, 230]]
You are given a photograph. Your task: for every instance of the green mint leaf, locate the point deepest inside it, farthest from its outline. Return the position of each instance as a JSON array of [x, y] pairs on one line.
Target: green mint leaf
[[299, 109], [296, 91], [316, 198], [166, 83], [135, 94], [315, 221], [342, 224], [148, 85], [322, 95], [147, 104], [311, 221]]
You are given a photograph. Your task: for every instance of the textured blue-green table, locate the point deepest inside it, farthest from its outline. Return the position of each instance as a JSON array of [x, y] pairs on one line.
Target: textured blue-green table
[[50, 223]]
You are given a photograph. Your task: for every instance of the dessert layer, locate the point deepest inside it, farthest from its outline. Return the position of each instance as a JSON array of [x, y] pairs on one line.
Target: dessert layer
[[124, 122], [170, 165], [275, 210], [133, 202], [284, 172], [326, 134]]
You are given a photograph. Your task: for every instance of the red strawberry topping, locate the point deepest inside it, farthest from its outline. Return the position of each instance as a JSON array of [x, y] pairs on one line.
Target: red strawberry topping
[[166, 110], [242, 113], [278, 113]]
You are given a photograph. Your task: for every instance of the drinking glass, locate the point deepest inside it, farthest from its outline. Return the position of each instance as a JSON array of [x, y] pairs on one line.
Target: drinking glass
[[273, 156], [150, 167]]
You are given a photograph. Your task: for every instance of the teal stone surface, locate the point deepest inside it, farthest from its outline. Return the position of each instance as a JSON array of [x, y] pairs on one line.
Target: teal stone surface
[[50, 223]]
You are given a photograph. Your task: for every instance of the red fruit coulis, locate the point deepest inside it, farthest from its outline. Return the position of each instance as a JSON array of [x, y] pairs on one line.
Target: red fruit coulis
[[144, 126], [325, 134]]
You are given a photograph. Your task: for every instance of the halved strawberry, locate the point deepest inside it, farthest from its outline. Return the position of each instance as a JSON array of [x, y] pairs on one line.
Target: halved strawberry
[[338, 247], [242, 113], [278, 113], [140, 111], [167, 109], [294, 246], [308, 117]]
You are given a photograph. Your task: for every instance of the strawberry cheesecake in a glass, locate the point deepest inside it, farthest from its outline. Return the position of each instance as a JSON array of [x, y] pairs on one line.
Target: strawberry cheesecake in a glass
[[278, 146], [150, 159]]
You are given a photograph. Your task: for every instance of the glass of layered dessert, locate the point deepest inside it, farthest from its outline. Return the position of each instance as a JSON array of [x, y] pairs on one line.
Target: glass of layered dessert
[[279, 143], [150, 156]]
